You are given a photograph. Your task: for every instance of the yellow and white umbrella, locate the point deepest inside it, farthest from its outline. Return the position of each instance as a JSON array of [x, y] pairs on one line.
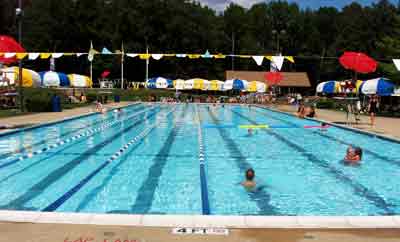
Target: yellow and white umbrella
[[10, 77], [256, 86], [189, 84], [179, 84], [80, 80], [216, 85], [201, 84]]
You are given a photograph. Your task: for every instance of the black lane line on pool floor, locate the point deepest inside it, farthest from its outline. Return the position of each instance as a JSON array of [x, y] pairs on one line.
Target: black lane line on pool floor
[[261, 197], [135, 141], [55, 175], [8, 154], [358, 188], [89, 133], [145, 197], [366, 151]]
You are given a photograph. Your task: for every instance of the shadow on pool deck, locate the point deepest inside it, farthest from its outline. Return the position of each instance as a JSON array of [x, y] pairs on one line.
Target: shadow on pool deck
[[92, 233]]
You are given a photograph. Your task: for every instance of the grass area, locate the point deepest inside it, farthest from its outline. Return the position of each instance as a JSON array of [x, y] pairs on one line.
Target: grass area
[[11, 113]]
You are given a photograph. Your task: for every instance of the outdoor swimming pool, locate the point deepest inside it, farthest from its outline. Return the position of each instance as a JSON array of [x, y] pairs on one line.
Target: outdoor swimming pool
[[189, 159]]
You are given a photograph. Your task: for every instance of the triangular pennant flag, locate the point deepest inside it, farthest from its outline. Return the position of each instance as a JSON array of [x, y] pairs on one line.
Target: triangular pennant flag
[[397, 63], [193, 56], [92, 52], [259, 59], [207, 55], [219, 56], [181, 55], [9, 55], [45, 55], [243, 56], [157, 56], [144, 56], [290, 58], [33, 56], [105, 51], [278, 61], [21, 56], [169, 55], [268, 57], [132, 55], [57, 55], [80, 54]]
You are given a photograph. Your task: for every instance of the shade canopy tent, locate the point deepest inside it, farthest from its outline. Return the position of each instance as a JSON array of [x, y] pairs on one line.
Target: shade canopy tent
[[256, 86], [54, 79], [159, 83], [80, 80], [11, 77], [179, 84], [379, 86], [235, 84], [329, 87]]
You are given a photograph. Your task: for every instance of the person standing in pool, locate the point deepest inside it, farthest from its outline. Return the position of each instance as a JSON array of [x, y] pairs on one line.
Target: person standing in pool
[[373, 108]]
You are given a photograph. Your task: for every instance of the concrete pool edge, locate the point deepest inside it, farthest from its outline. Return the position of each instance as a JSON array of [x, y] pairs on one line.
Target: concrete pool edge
[[201, 221]]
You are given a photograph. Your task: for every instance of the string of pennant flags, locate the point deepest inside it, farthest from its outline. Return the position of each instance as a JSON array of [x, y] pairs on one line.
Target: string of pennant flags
[[277, 60], [259, 59]]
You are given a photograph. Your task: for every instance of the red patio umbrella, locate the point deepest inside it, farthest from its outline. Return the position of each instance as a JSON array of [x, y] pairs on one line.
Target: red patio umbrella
[[358, 62], [273, 78], [8, 44]]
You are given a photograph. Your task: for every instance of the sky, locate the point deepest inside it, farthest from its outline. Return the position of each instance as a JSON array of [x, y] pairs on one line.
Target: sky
[[220, 5]]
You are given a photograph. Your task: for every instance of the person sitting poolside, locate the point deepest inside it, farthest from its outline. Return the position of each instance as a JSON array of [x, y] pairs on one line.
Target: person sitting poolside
[[249, 184], [324, 126], [353, 155]]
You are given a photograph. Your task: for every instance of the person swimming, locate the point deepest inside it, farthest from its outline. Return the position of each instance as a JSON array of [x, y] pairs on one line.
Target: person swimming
[[250, 132], [249, 183], [353, 155], [324, 126]]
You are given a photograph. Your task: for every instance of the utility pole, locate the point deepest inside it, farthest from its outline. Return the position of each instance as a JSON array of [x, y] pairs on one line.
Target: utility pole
[[19, 14], [233, 51]]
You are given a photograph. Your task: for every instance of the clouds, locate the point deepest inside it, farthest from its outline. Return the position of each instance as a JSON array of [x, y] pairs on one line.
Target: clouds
[[220, 5]]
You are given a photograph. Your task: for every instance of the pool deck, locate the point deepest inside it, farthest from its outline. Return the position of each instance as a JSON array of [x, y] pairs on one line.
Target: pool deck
[[91, 233], [40, 118], [383, 125], [54, 227]]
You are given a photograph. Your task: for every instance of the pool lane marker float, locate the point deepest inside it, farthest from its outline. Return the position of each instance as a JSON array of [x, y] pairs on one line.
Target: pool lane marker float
[[78, 136], [203, 180], [61, 200], [263, 126]]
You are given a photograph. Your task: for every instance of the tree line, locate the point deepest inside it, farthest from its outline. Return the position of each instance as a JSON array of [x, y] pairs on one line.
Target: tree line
[[315, 37]]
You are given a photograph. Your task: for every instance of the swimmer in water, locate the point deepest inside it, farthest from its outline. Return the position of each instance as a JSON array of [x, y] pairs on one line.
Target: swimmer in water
[[353, 155], [250, 132], [324, 126], [249, 183]]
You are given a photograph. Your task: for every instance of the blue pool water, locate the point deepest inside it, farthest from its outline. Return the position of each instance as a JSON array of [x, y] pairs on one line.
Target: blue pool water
[[190, 159]]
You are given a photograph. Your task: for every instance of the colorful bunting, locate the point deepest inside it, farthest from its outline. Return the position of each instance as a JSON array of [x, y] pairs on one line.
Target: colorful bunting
[[45, 55]]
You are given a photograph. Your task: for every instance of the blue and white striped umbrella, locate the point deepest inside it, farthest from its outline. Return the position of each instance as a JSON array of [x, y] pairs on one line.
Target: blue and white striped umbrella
[[159, 82], [378, 86], [329, 87], [54, 79], [235, 84]]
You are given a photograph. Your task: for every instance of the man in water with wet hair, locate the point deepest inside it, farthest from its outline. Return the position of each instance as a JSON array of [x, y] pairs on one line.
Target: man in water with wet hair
[[249, 183]]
